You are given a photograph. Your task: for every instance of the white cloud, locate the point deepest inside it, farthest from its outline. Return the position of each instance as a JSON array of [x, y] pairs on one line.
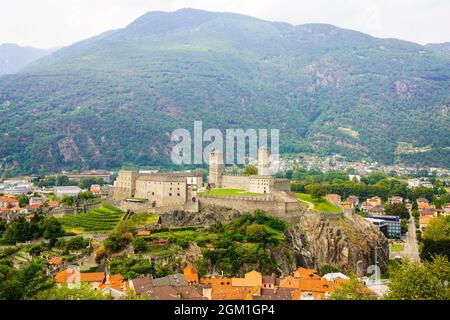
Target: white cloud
[[49, 23]]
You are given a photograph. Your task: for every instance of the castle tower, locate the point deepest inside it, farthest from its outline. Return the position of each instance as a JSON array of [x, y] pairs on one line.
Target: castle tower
[[216, 169], [264, 161]]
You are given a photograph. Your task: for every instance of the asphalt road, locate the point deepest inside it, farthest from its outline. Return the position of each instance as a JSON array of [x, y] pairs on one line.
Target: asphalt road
[[411, 251]]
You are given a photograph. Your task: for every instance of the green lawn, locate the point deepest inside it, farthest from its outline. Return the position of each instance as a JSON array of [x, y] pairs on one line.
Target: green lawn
[[228, 192], [142, 219], [103, 219], [319, 205], [397, 248]]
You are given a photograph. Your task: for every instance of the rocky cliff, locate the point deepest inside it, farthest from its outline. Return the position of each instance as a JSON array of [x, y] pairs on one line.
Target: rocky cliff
[[349, 243], [205, 217]]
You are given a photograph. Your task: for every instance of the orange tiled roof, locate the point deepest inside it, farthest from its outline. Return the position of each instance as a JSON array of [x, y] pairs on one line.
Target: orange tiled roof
[[118, 283], [55, 260], [290, 282], [234, 293], [8, 199], [143, 233], [251, 279], [53, 203], [190, 274], [35, 206], [68, 275], [306, 273], [93, 277], [333, 197], [215, 282]]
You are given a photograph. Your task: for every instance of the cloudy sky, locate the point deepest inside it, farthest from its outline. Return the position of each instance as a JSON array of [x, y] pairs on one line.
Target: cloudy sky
[[51, 23]]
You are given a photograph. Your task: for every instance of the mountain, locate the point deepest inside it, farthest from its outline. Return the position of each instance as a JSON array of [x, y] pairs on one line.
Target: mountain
[[13, 57], [442, 47], [115, 99]]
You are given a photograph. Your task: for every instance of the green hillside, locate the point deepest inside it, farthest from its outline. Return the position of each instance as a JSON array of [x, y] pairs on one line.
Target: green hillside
[[114, 99]]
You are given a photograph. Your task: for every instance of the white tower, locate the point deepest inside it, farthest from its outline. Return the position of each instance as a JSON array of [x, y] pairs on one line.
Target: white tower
[[264, 161], [216, 169]]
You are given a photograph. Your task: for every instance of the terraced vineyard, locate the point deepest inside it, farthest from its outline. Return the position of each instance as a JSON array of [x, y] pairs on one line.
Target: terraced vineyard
[[103, 219]]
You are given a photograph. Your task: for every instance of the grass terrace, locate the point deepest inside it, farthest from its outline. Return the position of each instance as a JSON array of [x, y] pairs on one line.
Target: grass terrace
[[103, 219], [397, 248], [318, 205], [228, 192]]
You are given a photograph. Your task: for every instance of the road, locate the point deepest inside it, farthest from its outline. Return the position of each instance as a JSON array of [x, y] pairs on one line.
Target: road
[[411, 251]]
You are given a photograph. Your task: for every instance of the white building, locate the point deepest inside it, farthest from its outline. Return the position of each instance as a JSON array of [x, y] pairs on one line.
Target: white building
[[71, 191], [413, 183]]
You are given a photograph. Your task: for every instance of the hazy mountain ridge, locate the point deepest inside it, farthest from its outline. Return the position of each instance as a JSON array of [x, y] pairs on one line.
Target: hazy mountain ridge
[[14, 57], [115, 98], [442, 47]]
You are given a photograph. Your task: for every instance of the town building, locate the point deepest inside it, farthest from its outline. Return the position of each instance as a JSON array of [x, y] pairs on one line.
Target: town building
[[394, 225], [71, 191], [395, 200]]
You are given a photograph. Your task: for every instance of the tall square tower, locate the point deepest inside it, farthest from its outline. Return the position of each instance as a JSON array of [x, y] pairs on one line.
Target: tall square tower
[[216, 169]]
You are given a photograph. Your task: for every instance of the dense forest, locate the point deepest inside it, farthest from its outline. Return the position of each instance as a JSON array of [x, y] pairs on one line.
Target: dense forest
[[114, 99]]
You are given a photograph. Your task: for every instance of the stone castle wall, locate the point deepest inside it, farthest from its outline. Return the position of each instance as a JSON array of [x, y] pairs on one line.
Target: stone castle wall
[[235, 182], [269, 204]]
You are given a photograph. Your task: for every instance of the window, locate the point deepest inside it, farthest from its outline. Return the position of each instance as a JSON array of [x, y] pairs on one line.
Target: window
[[170, 194]]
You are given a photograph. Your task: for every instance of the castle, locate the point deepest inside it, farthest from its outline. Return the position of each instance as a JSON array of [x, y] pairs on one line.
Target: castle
[[263, 183], [159, 192]]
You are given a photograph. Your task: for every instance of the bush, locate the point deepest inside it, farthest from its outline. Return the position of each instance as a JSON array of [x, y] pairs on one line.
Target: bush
[[256, 233]]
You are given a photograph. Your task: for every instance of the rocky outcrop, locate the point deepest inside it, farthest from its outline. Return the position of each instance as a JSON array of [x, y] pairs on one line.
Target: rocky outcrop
[[349, 243], [205, 217]]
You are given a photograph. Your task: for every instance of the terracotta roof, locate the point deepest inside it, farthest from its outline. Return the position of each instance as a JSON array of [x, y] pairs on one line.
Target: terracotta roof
[[55, 260], [53, 203], [117, 282], [233, 293], [143, 233], [251, 279], [8, 199], [215, 282], [275, 294], [35, 206], [69, 275], [93, 276], [333, 196], [190, 274], [306, 273]]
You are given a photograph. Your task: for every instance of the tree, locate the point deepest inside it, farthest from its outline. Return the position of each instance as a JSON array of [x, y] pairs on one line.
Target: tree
[[250, 171], [77, 243], [85, 196], [327, 268], [68, 201], [397, 209], [52, 228], [115, 242], [317, 191], [23, 200], [26, 282], [436, 238], [139, 245], [256, 233], [65, 293], [351, 290], [414, 281]]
